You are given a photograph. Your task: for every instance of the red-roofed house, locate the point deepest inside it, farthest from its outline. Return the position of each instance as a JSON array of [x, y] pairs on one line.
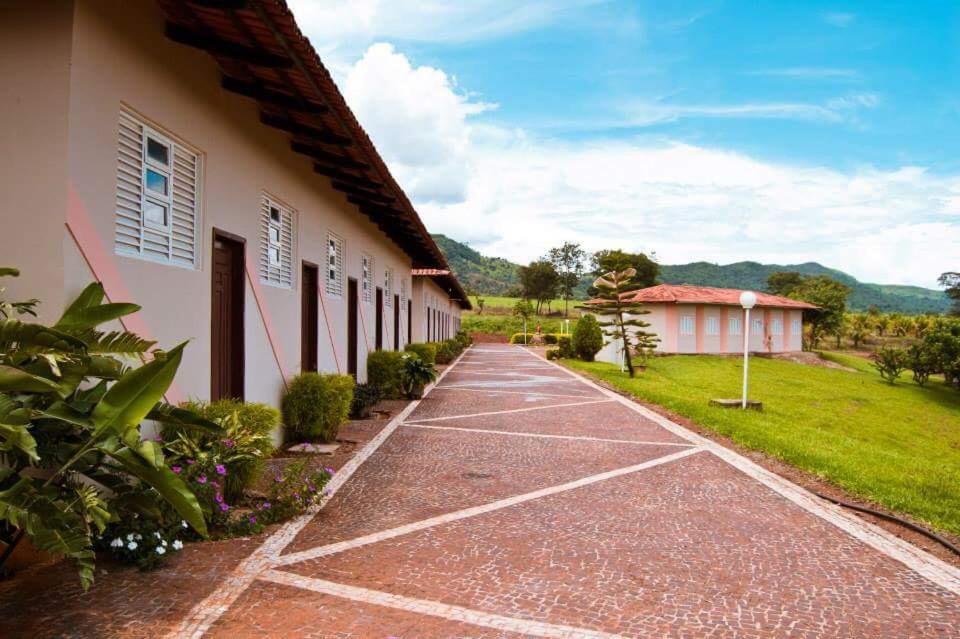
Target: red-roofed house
[[700, 319]]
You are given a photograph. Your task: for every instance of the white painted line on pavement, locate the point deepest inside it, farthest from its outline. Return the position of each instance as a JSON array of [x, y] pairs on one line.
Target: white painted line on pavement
[[433, 608], [546, 436], [390, 533]]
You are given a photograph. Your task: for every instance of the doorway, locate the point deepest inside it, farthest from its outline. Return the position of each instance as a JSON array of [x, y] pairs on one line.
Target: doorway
[[396, 322], [379, 322], [226, 317], [309, 317], [352, 327]]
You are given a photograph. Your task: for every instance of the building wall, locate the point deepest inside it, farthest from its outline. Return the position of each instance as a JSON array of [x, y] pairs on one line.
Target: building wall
[[71, 172], [435, 316], [35, 43], [667, 320]]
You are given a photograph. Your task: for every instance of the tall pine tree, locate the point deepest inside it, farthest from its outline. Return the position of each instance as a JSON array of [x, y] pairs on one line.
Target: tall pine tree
[[618, 317]]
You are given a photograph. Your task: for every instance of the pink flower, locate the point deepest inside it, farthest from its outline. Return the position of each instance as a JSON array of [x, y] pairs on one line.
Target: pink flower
[[191, 462], [176, 469], [221, 469], [252, 519], [219, 498], [228, 443], [224, 507], [202, 479], [330, 471]]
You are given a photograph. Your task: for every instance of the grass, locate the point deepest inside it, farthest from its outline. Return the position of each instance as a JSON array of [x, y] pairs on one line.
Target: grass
[[898, 446], [508, 324]]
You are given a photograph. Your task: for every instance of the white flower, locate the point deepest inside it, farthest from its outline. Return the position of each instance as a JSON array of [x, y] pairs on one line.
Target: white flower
[[138, 536], [163, 542], [116, 543], [157, 535], [161, 550], [132, 545], [183, 523], [177, 544], [130, 537]]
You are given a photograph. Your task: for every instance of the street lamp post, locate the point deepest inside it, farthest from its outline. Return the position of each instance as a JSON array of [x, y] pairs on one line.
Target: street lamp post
[[747, 300]]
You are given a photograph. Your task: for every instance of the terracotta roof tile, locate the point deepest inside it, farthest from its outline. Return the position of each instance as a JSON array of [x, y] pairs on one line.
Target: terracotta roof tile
[[683, 294]]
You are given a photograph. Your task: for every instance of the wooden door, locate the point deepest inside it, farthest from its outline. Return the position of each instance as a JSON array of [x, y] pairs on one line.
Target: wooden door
[[226, 318], [379, 322], [352, 327], [309, 317], [396, 322]]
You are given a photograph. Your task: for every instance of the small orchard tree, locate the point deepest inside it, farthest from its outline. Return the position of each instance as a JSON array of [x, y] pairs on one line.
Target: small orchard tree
[[523, 309], [587, 338], [858, 328], [611, 305]]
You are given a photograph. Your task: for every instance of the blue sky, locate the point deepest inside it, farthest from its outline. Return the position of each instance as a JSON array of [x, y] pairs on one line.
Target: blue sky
[[722, 131]]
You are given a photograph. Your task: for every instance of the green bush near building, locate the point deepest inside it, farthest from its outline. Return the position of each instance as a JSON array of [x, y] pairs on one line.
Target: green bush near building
[[426, 352], [315, 405], [383, 372], [587, 338]]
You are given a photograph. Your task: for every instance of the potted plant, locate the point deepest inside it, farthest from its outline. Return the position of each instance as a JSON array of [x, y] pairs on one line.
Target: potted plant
[[415, 374]]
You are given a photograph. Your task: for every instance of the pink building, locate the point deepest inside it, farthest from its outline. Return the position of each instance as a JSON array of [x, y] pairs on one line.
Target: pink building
[[700, 319]]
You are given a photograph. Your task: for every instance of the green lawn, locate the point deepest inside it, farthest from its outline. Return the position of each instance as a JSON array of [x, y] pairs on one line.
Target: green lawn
[[896, 445]]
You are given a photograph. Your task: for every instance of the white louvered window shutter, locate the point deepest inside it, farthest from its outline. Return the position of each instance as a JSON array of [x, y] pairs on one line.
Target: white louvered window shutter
[[277, 230], [388, 286], [158, 195], [334, 265], [367, 278]]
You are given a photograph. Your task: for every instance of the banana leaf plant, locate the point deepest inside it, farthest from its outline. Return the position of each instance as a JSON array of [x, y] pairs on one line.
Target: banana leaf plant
[[72, 402]]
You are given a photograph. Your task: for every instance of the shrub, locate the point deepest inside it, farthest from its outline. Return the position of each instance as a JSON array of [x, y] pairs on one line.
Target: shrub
[[445, 354], [518, 338], [365, 397], [293, 490], [889, 362], [550, 338], [383, 371], [922, 359], [426, 352], [566, 347], [464, 338], [455, 346], [315, 405], [71, 406], [587, 338], [414, 375], [553, 353], [246, 437]]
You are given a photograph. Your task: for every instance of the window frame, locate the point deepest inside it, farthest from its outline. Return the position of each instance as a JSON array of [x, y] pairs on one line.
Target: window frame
[[711, 326], [287, 215], [367, 267], [734, 325], [688, 325]]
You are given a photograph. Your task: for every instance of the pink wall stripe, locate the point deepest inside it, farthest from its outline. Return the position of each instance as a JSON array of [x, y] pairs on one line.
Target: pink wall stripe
[[267, 324], [673, 327], [100, 262], [700, 315], [724, 330], [326, 320]]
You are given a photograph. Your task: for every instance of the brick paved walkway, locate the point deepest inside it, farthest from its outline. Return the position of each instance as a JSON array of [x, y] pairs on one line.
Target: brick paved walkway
[[519, 500]]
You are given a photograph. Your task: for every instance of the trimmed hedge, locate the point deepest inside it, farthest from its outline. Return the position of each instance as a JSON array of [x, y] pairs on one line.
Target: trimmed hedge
[[315, 405], [587, 338], [548, 338], [426, 352], [383, 371], [566, 347], [445, 352], [553, 353]]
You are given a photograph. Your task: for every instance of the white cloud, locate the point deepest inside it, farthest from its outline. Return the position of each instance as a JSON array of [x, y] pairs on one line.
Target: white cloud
[[417, 119], [340, 29], [807, 72], [839, 18], [691, 203], [839, 109], [513, 194]]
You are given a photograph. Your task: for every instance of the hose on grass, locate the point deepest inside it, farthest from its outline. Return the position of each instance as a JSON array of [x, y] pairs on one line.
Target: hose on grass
[[903, 522]]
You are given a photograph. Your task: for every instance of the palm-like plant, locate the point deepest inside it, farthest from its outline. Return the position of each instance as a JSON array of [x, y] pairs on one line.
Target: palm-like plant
[[70, 414], [415, 374]]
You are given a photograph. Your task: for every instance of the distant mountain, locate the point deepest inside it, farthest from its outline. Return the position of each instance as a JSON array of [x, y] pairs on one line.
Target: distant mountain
[[488, 275], [496, 276]]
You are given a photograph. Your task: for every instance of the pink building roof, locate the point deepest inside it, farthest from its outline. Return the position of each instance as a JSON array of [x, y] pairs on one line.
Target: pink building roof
[[683, 294]]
